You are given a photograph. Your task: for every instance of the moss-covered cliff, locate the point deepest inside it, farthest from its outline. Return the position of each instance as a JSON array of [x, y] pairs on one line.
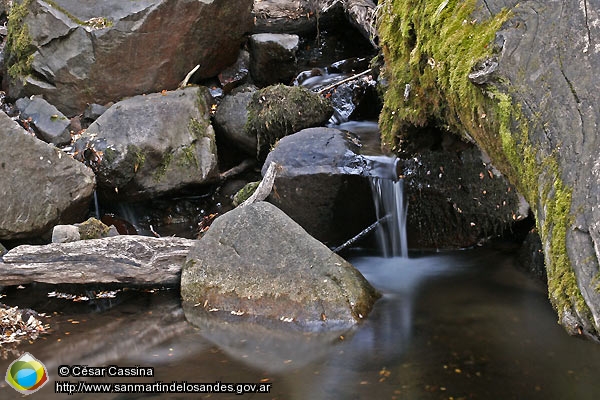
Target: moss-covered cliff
[[430, 49]]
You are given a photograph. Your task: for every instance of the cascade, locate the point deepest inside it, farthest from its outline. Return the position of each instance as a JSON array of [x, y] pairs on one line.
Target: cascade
[[390, 205]]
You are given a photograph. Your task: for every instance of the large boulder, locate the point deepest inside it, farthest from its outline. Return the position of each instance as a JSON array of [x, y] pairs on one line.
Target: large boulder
[[256, 262], [148, 145], [40, 186], [524, 87], [76, 52], [321, 170]]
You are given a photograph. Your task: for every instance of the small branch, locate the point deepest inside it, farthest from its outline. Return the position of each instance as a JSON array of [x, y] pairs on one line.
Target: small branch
[[185, 80], [265, 186], [362, 234], [351, 78], [238, 169]]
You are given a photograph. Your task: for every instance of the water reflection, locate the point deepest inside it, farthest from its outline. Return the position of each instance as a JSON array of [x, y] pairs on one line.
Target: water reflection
[[450, 325]]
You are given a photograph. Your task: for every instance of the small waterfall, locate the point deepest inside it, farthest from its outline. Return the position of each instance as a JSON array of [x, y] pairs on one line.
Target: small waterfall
[[390, 205]]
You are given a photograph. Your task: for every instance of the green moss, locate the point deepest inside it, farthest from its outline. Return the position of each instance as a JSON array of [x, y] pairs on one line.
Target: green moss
[[433, 46], [432, 49], [162, 168], [277, 111], [94, 23], [92, 229], [19, 48], [188, 157], [197, 128], [244, 193], [110, 155]]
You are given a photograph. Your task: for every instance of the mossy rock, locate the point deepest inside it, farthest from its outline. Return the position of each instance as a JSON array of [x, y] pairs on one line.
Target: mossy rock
[[431, 48], [244, 193], [279, 110], [93, 229]]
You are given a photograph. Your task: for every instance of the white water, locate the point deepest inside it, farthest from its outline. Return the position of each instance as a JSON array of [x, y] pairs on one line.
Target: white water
[[390, 203]]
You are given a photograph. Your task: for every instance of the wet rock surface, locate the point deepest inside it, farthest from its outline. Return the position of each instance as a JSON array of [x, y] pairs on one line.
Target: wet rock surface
[[472, 198], [148, 145], [40, 186], [321, 169], [255, 262], [96, 52]]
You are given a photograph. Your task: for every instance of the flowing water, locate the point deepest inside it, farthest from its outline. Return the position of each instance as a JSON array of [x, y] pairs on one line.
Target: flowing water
[[455, 325], [390, 203]]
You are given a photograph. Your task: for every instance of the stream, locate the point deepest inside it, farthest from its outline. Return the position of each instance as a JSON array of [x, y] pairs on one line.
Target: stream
[[455, 325], [450, 325]]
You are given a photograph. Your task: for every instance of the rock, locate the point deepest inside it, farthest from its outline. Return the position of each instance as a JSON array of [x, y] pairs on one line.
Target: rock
[[40, 186], [255, 262], [93, 229], [531, 256], [273, 58], [137, 260], [535, 113], [321, 169], [65, 234], [3, 250], [93, 112], [254, 120], [148, 145], [236, 74], [277, 111], [460, 188], [67, 50], [298, 17], [232, 116], [50, 124]]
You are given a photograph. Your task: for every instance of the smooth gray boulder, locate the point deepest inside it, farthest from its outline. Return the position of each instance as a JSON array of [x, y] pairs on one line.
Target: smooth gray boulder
[[132, 259], [255, 262], [50, 124], [76, 52], [273, 58], [148, 145], [40, 186]]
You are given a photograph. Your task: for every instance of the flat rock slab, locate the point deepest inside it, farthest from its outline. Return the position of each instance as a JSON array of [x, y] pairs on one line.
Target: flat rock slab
[[130, 259], [256, 262]]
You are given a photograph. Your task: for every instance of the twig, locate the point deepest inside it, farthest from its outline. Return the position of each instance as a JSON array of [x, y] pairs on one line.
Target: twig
[[351, 78], [362, 233], [238, 169], [185, 80], [265, 186], [154, 232]]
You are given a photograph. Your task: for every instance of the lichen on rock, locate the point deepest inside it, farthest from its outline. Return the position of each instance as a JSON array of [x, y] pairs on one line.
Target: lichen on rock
[[447, 66]]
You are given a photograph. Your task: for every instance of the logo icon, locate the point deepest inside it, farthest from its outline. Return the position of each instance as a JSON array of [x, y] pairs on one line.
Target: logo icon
[[26, 374]]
